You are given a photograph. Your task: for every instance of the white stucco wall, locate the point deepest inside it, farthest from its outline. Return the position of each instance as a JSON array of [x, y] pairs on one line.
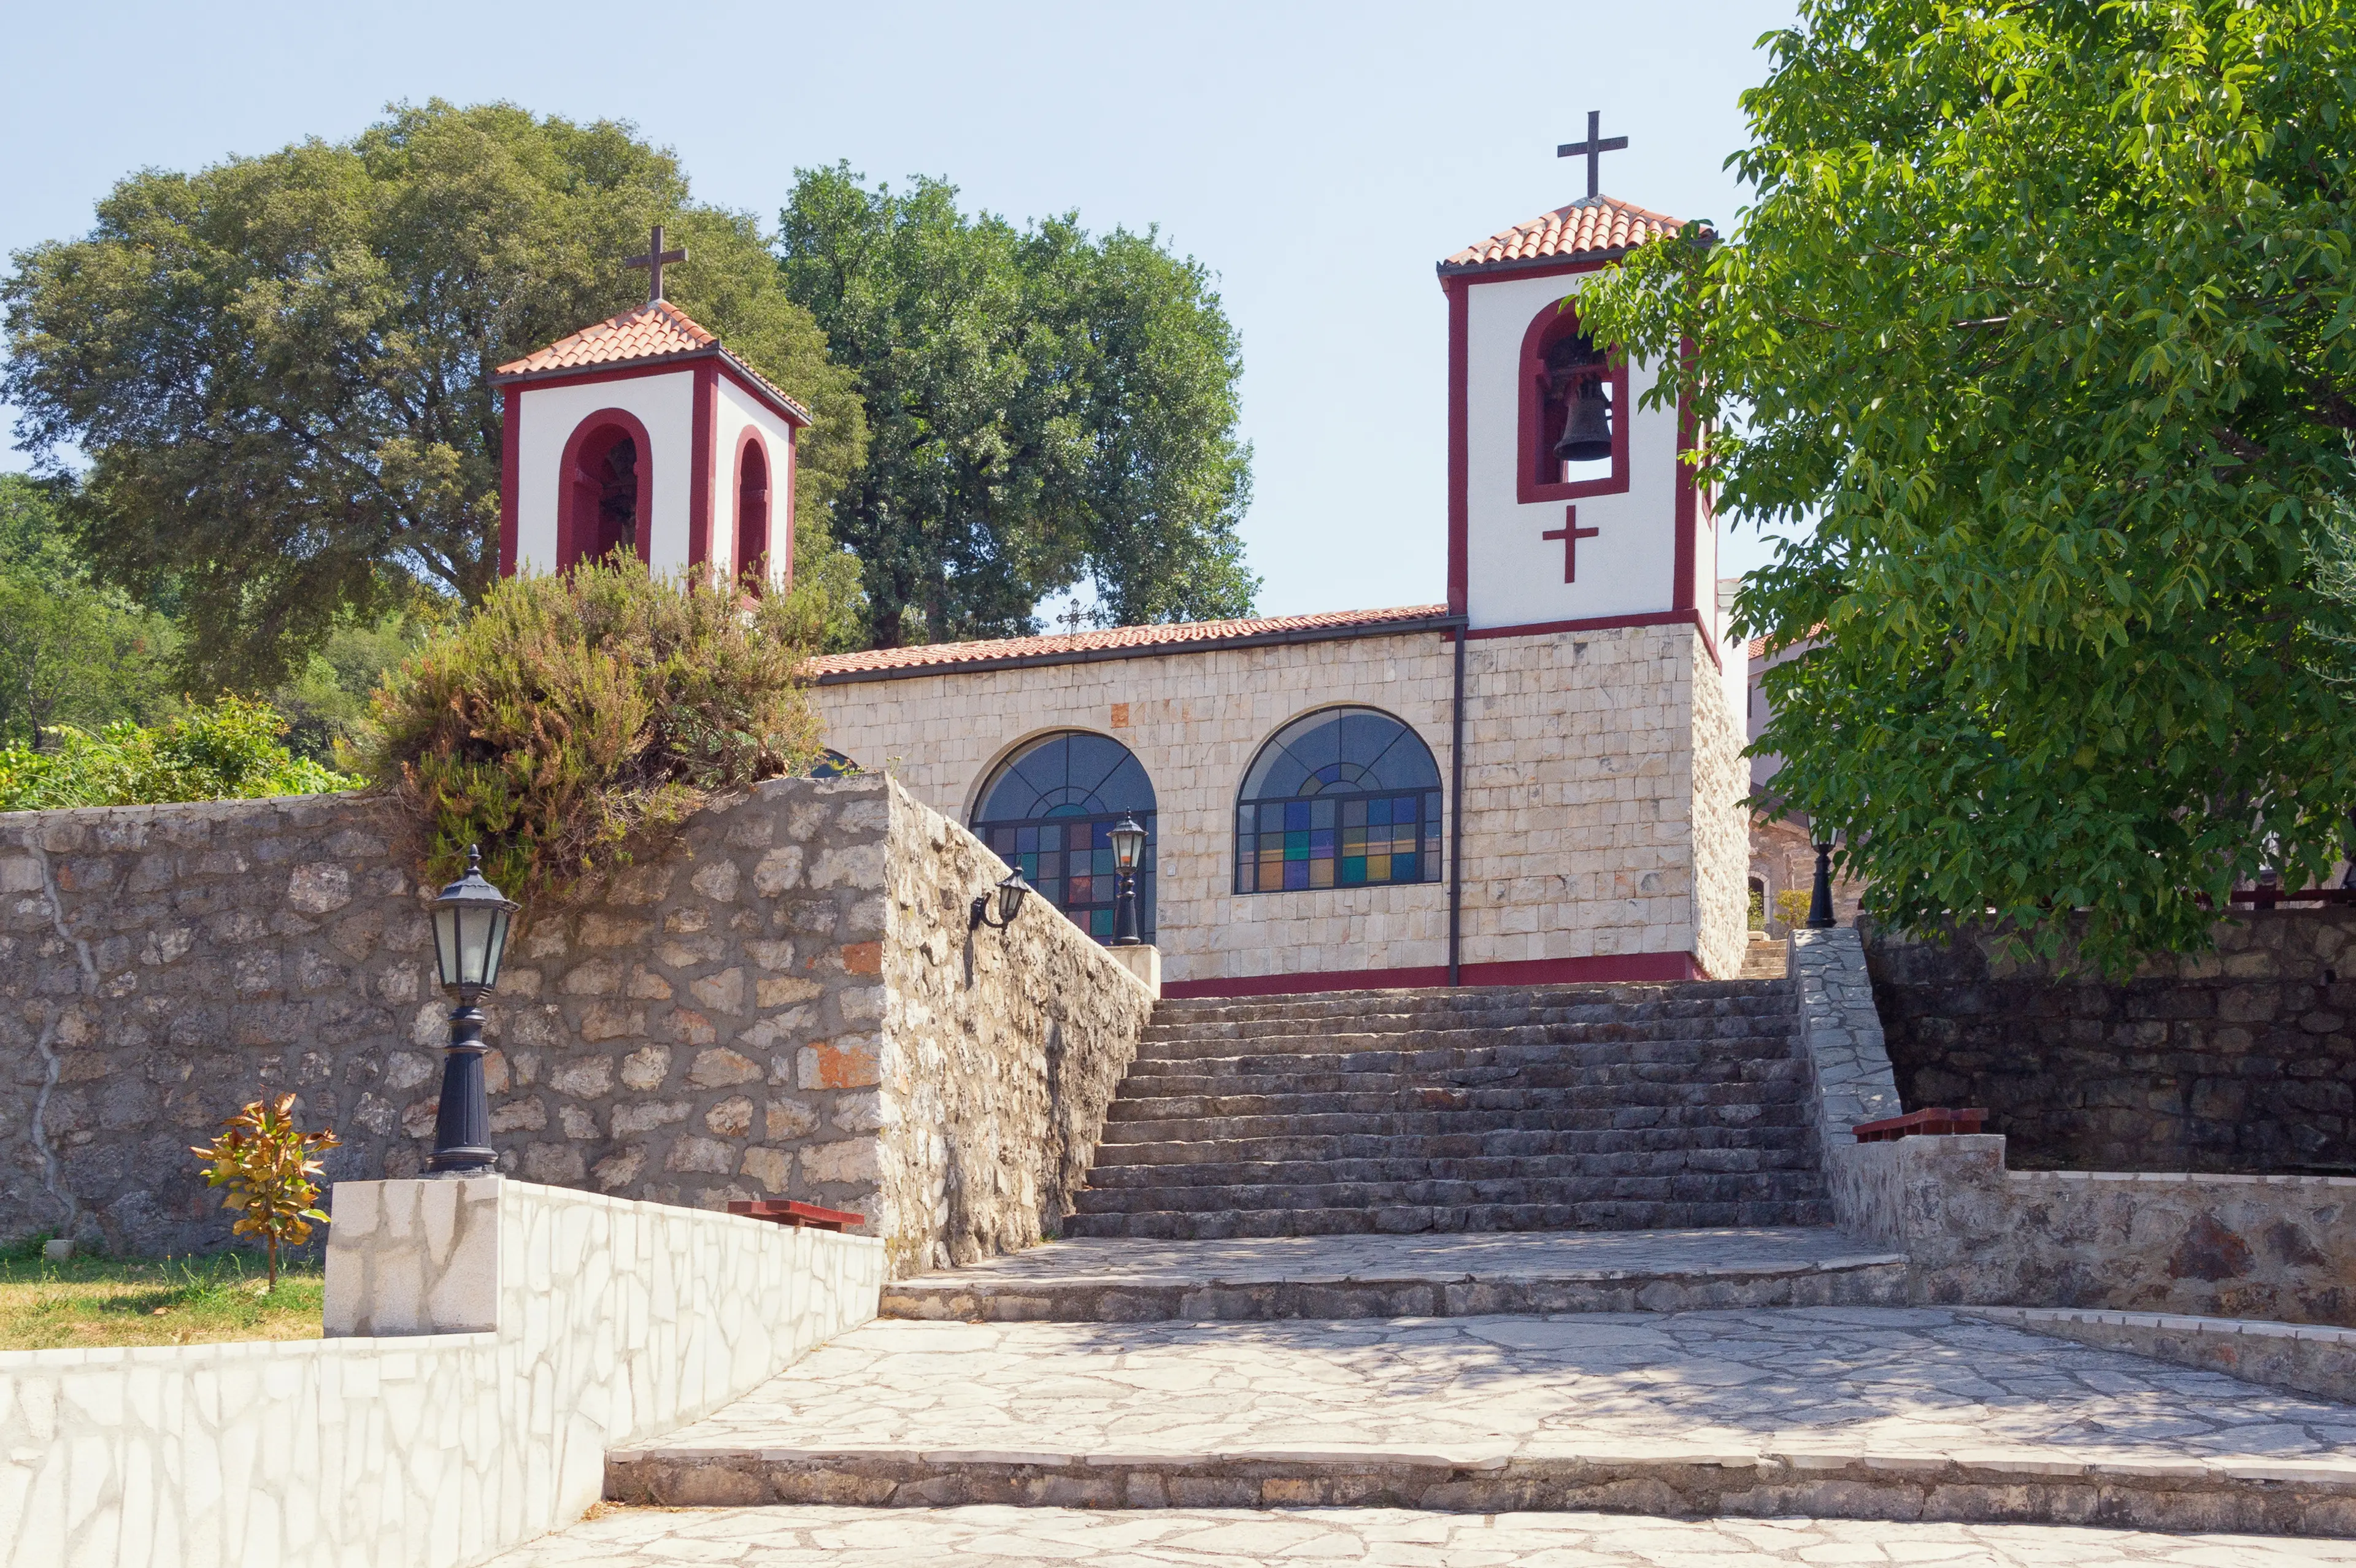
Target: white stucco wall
[[664, 405], [1513, 577], [1580, 830], [733, 411]]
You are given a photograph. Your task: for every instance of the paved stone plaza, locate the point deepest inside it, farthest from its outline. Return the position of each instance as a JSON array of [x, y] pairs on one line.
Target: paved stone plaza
[[1235, 1538]]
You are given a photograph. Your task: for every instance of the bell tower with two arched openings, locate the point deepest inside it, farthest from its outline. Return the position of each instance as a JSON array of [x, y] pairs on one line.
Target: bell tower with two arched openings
[[1569, 506], [643, 434]]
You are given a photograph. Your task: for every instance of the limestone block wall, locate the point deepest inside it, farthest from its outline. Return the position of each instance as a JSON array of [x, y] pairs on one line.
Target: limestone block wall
[[1001, 1051], [1581, 839], [2239, 1060], [535, 1327], [712, 1028]]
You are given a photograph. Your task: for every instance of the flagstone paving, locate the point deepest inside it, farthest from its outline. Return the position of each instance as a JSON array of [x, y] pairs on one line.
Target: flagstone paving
[[789, 1537], [1894, 1382]]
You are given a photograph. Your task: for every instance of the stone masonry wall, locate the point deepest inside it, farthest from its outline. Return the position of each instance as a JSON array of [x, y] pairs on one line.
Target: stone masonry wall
[[1001, 1053], [1579, 826], [2239, 1060], [713, 1028]]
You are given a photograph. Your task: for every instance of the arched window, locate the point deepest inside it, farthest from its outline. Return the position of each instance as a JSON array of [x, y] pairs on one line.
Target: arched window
[[1561, 369], [752, 514], [608, 489], [1340, 798], [1047, 812]]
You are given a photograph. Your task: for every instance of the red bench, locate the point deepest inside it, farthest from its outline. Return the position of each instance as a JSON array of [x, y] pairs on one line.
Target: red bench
[[1936, 1121], [800, 1216]]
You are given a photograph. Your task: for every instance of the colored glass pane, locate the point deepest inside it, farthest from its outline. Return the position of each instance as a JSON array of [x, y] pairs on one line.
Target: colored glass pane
[[1356, 794]]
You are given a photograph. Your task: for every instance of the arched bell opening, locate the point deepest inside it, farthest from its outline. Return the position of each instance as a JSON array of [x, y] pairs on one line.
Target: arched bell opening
[[609, 492], [752, 557]]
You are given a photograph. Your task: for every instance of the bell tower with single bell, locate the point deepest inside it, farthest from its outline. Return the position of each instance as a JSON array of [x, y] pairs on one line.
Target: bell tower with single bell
[[1568, 504]]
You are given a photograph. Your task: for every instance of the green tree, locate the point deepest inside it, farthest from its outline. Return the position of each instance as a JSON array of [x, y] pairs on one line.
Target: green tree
[[70, 652], [2045, 312], [1045, 408], [277, 368]]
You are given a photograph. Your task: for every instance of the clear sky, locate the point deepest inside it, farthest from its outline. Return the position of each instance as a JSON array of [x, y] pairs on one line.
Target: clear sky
[[1319, 158]]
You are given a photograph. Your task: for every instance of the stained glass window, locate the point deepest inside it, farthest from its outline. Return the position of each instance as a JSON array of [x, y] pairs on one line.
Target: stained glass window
[[1049, 812], [1344, 797]]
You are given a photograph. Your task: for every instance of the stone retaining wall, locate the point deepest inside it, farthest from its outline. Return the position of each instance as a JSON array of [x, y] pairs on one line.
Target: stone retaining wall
[[714, 1027], [540, 1327], [2239, 1060]]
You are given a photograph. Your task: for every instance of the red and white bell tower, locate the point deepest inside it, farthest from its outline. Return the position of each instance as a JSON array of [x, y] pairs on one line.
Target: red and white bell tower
[[643, 432], [1569, 507]]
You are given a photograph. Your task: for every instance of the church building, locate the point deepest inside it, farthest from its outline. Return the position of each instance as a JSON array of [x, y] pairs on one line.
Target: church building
[[1534, 779]]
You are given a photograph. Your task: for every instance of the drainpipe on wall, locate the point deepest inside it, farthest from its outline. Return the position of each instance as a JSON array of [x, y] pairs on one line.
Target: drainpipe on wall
[[1456, 813]]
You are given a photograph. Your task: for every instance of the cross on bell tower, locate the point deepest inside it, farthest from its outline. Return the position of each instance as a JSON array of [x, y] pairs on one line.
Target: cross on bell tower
[[1592, 150], [654, 260]]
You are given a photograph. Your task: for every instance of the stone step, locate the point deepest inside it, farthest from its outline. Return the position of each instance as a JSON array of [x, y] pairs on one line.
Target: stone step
[[1408, 1219], [1639, 1144], [1260, 1280], [1281, 1115], [1223, 1165], [1309, 1186], [1658, 1084], [1594, 1023], [1427, 1055], [1768, 960], [1838, 1412], [1469, 1002]]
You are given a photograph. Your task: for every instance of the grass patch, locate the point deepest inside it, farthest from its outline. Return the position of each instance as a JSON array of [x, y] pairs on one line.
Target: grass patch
[[83, 1303]]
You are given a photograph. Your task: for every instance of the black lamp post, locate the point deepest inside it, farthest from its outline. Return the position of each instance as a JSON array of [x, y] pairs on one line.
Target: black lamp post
[[1010, 894], [1820, 901], [1128, 849], [470, 937]]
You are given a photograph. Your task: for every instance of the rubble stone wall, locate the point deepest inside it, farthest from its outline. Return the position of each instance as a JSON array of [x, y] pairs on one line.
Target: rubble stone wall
[[712, 1027], [2239, 1060]]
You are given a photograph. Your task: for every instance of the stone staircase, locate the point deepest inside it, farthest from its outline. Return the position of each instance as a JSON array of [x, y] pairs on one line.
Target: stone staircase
[[1578, 1107]]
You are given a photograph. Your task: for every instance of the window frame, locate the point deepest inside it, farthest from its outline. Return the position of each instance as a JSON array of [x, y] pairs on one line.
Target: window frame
[[1030, 862], [1429, 824]]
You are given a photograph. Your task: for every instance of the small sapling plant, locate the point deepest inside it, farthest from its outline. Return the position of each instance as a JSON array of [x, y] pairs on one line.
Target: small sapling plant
[[265, 1161]]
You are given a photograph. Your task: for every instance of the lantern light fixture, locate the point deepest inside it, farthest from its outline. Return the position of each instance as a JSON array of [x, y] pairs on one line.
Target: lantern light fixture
[[1010, 894], [1127, 850], [470, 938]]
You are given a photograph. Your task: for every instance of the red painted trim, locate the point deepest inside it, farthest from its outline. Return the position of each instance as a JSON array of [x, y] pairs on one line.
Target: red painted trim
[[510, 475], [1689, 592], [1460, 469], [668, 365], [1551, 323], [1687, 617], [749, 439], [1626, 968], [571, 545], [700, 457], [792, 461]]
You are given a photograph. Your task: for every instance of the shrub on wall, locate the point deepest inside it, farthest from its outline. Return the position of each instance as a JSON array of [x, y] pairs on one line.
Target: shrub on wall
[[572, 716], [229, 751]]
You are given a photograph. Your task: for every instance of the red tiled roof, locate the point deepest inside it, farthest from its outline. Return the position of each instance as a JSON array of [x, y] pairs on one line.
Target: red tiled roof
[[1171, 637], [1592, 227], [656, 331]]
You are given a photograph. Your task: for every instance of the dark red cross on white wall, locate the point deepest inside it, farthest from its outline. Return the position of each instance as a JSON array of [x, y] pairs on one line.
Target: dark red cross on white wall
[[1570, 533]]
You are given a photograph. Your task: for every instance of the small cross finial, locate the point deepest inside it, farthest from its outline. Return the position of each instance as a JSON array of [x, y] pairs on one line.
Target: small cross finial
[[1592, 150], [654, 260]]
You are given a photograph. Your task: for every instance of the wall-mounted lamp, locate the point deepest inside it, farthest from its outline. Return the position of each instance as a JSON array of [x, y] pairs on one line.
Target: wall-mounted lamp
[[1010, 894]]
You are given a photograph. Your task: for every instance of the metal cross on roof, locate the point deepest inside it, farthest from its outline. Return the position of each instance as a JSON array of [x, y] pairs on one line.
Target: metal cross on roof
[[1592, 149], [654, 260]]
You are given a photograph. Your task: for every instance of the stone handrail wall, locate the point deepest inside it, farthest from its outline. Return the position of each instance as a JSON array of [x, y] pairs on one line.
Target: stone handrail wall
[[713, 1025], [1840, 1041], [2242, 1059], [473, 1431]]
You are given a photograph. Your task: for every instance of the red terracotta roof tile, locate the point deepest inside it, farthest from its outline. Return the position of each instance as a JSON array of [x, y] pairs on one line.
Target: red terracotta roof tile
[[1174, 638], [1592, 227], [651, 332]]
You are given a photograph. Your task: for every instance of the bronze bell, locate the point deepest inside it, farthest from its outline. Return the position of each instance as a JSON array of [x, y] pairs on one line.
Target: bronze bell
[[1587, 431]]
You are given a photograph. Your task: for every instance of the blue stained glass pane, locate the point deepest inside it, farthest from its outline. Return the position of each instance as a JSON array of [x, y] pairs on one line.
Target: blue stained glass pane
[[1403, 809], [1403, 869], [1296, 816], [1320, 842], [1026, 839], [1378, 813], [1321, 813], [1243, 819], [1296, 874]]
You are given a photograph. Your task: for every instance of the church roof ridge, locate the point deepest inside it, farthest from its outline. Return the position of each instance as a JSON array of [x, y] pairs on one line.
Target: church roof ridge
[[651, 333], [1120, 642], [1592, 228]]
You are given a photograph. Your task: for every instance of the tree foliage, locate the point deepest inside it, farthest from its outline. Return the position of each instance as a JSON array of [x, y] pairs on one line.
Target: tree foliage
[[277, 368], [2045, 312], [573, 719], [228, 750], [1045, 408], [72, 652]]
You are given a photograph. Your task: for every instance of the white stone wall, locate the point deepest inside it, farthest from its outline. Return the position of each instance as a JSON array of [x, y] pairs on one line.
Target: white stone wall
[[1581, 839], [611, 1320]]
